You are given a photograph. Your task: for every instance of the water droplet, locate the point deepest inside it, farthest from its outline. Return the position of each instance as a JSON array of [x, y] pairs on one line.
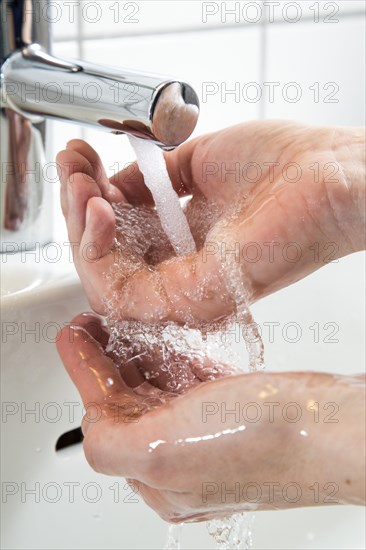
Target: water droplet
[[142, 242]]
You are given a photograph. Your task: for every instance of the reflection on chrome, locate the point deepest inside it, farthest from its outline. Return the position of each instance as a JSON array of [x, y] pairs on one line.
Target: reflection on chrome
[[36, 86]]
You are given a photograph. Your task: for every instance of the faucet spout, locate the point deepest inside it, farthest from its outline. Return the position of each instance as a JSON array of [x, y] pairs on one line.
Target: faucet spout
[[37, 87], [154, 107]]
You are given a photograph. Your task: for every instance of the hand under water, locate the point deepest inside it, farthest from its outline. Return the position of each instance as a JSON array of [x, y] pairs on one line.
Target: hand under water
[[321, 213], [181, 471], [193, 459]]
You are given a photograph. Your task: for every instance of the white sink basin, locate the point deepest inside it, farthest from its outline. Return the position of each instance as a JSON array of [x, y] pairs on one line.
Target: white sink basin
[[37, 299], [32, 279]]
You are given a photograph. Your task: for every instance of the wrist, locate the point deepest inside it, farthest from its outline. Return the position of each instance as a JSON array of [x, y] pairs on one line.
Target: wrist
[[331, 454]]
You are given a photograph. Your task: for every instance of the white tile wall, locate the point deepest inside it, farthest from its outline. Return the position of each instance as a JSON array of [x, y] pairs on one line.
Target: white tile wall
[[293, 13], [120, 18], [320, 298], [350, 6], [64, 18], [108, 18], [326, 64]]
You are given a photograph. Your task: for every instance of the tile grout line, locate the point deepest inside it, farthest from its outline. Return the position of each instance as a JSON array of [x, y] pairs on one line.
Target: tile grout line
[[163, 32], [263, 67], [79, 37], [80, 46]]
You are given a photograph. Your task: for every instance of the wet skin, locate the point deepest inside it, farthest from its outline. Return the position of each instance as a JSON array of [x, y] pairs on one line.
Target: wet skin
[[171, 471], [185, 456], [322, 213]]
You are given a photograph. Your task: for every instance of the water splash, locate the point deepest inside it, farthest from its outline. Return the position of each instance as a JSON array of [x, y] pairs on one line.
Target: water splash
[[232, 533], [174, 537], [145, 237]]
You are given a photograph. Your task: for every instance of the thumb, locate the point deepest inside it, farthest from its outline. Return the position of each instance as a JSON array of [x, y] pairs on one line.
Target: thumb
[[130, 180], [110, 405]]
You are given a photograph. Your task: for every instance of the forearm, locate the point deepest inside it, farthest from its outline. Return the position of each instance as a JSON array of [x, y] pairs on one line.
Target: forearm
[[291, 439], [348, 460], [334, 453]]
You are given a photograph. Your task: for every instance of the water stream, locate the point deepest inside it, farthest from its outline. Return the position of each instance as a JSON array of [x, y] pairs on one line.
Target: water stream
[[146, 235]]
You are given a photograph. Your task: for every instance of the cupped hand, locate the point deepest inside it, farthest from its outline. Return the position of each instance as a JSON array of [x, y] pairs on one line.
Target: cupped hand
[[275, 200], [255, 441]]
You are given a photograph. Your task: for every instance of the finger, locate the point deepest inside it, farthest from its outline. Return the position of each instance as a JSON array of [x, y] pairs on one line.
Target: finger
[[134, 379], [94, 374], [179, 166], [168, 374], [142, 373], [93, 324], [155, 368], [130, 373], [68, 163], [80, 188], [207, 369], [109, 192], [98, 238], [130, 182]]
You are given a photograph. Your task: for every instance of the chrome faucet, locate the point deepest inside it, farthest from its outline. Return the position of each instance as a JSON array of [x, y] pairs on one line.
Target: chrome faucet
[[36, 86]]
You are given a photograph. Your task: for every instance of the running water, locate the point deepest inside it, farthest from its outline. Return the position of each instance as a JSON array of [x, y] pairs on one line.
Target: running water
[[174, 537], [234, 532], [144, 238], [151, 162]]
